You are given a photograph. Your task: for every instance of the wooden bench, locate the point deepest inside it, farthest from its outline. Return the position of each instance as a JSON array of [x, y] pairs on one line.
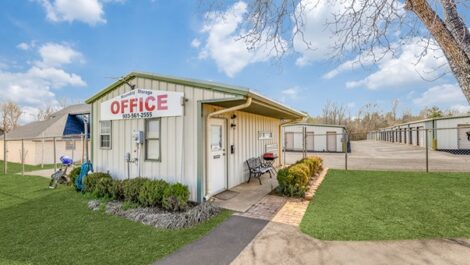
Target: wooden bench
[[257, 169]]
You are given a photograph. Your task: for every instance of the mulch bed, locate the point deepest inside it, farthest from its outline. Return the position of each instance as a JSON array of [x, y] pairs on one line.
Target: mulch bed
[[158, 217]]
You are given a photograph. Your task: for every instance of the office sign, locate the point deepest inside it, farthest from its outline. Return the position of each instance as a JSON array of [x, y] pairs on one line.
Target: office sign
[[142, 104]]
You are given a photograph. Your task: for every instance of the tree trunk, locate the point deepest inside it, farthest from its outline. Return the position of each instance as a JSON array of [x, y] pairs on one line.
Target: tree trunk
[[456, 25], [456, 56]]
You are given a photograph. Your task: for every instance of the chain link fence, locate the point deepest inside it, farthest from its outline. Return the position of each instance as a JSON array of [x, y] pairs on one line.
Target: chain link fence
[[28, 154], [413, 149]]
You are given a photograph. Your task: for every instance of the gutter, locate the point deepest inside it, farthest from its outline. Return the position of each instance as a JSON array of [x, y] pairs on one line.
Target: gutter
[[219, 112]]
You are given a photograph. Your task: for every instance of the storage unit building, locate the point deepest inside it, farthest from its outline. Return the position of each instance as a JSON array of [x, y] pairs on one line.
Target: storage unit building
[[181, 130], [313, 137], [448, 133]]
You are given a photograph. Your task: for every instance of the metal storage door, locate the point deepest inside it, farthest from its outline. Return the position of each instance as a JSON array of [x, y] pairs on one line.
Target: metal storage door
[[331, 141], [464, 136], [289, 141], [298, 141], [310, 141]]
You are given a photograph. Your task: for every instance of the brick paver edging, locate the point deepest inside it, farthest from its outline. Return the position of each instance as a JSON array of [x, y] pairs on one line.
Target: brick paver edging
[[315, 185]]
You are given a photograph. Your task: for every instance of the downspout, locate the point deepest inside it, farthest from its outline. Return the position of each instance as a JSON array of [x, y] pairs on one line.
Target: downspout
[[212, 114], [280, 137]]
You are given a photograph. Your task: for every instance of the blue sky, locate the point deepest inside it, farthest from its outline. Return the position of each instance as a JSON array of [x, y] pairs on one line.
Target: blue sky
[[58, 48]]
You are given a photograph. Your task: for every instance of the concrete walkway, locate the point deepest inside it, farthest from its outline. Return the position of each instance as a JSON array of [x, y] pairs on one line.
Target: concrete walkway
[[285, 244], [221, 246]]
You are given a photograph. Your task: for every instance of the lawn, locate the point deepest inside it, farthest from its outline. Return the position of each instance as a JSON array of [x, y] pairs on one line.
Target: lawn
[[16, 167], [43, 226], [374, 205]]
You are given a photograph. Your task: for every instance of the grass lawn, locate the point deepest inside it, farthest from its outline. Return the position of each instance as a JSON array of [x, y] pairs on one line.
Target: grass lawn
[[16, 167], [43, 226], [374, 205]]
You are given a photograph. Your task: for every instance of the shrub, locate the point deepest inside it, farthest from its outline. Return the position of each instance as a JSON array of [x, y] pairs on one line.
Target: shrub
[[131, 189], [103, 187], [73, 175], [151, 192], [116, 191], [92, 180], [175, 197], [293, 181]]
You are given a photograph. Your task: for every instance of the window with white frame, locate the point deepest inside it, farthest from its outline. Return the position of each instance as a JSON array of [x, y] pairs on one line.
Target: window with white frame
[[105, 134], [152, 139], [265, 135]]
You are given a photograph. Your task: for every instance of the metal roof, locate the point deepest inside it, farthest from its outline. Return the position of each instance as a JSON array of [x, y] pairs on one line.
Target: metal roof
[[54, 126], [313, 124], [236, 90]]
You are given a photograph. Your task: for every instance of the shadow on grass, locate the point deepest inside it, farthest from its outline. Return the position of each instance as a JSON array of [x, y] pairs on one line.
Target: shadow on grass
[[58, 228]]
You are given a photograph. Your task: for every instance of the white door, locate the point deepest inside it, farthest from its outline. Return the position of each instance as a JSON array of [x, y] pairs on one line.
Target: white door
[[217, 163], [331, 141], [464, 136], [310, 141]]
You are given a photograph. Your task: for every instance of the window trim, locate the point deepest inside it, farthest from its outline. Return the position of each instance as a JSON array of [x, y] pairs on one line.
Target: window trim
[[159, 159], [263, 133], [110, 136]]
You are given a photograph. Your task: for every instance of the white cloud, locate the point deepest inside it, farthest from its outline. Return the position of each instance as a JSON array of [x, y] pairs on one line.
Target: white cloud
[[195, 43], [291, 92], [87, 11], [222, 43], [54, 54], [441, 94], [459, 108], [34, 87], [23, 46], [407, 68], [315, 44]]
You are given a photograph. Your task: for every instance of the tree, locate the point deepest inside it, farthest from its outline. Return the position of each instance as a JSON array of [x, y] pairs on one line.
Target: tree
[[10, 114], [434, 112], [45, 113], [372, 27]]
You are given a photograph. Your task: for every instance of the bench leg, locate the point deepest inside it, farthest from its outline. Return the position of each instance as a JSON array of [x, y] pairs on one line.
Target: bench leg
[[259, 178]]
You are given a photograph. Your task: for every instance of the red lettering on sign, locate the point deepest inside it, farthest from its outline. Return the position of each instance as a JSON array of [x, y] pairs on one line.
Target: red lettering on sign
[[133, 104], [149, 107], [141, 104], [115, 107], [124, 105], [162, 101]]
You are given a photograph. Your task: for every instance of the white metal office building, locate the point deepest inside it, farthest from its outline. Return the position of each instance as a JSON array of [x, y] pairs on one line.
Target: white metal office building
[[449, 133], [313, 137], [181, 130]]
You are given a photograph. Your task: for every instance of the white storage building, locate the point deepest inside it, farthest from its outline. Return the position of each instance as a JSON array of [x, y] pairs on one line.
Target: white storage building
[[181, 130], [448, 133], [313, 137]]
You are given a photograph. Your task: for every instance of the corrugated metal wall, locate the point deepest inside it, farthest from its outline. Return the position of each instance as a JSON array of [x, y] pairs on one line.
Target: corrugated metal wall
[[179, 139], [319, 138]]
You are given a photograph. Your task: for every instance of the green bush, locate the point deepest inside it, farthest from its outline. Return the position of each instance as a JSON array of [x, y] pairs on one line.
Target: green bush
[[103, 187], [293, 180], [92, 180], [73, 175], [151, 192], [131, 189], [116, 191], [175, 197]]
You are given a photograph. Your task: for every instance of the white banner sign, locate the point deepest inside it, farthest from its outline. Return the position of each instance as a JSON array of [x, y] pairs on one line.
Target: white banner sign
[[141, 104]]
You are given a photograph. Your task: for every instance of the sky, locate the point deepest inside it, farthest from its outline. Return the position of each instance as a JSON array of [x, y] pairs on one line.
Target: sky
[[56, 49]]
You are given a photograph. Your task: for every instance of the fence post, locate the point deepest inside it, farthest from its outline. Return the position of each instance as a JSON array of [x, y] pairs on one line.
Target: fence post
[[304, 142], [42, 151], [55, 154], [427, 151], [83, 147], [345, 136], [5, 163], [22, 157]]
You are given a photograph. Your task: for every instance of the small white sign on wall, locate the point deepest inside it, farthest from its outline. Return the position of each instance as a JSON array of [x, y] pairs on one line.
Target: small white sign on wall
[[142, 104]]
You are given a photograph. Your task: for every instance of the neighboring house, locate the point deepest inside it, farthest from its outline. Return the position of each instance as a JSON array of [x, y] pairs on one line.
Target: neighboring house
[[313, 137], [195, 132], [63, 131]]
